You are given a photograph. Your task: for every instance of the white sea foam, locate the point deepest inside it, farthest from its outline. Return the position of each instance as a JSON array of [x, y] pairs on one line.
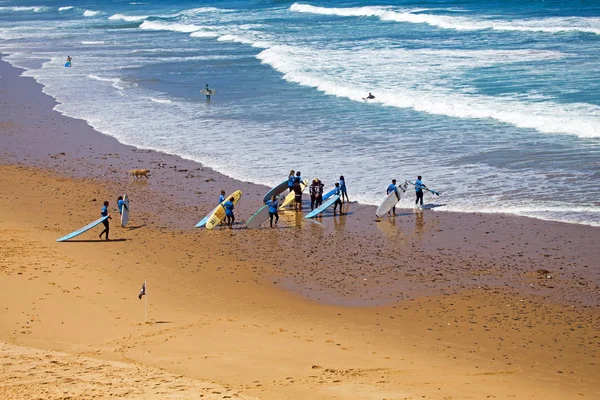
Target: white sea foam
[[204, 34], [128, 18], [117, 83], [245, 40], [549, 25], [65, 8], [91, 13], [411, 79], [202, 10], [35, 9], [167, 26], [92, 42], [161, 101]]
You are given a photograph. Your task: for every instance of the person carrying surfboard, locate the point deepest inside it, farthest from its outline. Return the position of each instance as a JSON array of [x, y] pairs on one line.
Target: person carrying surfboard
[[419, 186], [393, 188], [207, 92], [105, 213], [338, 202], [69, 59], [273, 206], [229, 212], [121, 204]]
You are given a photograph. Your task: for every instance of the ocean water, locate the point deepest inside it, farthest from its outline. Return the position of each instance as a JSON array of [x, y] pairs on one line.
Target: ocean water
[[495, 103]]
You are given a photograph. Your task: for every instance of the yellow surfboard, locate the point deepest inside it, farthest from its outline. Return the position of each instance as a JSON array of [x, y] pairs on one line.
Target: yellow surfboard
[[219, 214], [291, 195]]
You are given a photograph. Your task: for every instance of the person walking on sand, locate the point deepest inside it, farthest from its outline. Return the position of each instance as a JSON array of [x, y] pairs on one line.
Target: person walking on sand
[[343, 189], [314, 193], [229, 212], [393, 188], [298, 193], [419, 186], [338, 202], [273, 206], [222, 197], [121, 204], [291, 180], [105, 213]]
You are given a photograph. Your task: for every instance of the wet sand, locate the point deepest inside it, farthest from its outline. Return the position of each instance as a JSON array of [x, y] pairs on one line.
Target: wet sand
[[426, 305]]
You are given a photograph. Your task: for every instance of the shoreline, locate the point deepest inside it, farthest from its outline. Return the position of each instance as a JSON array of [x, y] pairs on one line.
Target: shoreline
[[427, 305]]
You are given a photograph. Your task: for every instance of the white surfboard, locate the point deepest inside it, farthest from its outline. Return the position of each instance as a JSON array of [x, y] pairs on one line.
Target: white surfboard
[[125, 211], [391, 200]]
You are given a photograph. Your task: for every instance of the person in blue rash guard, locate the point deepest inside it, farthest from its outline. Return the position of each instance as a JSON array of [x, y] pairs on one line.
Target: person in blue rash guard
[[419, 186], [291, 180], [229, 212], [393, 188], [273, 206], [105, 213], [121, 204], [222, 197], [338, 202], [343, 189]]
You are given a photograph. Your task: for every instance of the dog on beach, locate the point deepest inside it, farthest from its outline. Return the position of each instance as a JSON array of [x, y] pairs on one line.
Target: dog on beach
[[139, 173]]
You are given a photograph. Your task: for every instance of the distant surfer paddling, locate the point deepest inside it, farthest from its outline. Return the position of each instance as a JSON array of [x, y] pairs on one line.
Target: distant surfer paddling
[[105, 213], [369, 97]]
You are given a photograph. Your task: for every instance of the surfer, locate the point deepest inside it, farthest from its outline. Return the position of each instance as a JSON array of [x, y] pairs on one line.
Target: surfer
[[343, 189], [222, 197], [291, 180], [229, 212], [319, 193], [393, 188], [207, 92], [121, 204], [69, 59], [273, 206], [314, 193], [338, 202], [369, 97], [419, 186], [105, 213], [298, 193]]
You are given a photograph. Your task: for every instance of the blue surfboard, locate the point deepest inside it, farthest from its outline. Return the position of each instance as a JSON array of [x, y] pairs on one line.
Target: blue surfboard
[[328, 194], [277, 190], [68, 64], [323, 207], [427, 189], [204, 220], [81, 230]]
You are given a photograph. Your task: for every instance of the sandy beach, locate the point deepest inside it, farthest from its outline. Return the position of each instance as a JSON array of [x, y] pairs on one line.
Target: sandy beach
[[427, 305]]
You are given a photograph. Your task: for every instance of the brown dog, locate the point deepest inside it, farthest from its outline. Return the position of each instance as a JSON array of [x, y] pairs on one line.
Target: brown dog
[[139, 173]]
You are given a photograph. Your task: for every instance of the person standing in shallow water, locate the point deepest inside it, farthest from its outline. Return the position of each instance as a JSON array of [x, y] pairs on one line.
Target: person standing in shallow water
[[419, 186], [273, 206], [229, 212], [105, 213]]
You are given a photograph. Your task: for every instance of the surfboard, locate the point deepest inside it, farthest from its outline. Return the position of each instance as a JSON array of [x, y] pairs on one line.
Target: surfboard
[[68, 64], [208, 93], [323, 207], [427, 189], [390, 200], [81, 230], [328, 194], [277, 190], [218, 215], [204, 220], [291, 195], [125, 211]]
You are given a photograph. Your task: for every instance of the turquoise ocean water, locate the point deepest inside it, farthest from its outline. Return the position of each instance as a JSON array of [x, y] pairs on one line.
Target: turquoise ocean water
[[495, 103]]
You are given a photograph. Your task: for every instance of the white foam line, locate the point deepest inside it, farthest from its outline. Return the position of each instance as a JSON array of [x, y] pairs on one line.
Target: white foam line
[[548, 25]]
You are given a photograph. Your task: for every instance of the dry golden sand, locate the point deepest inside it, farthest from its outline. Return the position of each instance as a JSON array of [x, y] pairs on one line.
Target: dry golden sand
[[218, 324]]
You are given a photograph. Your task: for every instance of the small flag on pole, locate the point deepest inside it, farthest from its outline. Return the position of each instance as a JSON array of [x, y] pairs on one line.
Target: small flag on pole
[[142, 291]]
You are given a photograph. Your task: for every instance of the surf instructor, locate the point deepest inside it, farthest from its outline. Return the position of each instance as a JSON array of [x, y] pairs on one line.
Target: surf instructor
[[419, 186]]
